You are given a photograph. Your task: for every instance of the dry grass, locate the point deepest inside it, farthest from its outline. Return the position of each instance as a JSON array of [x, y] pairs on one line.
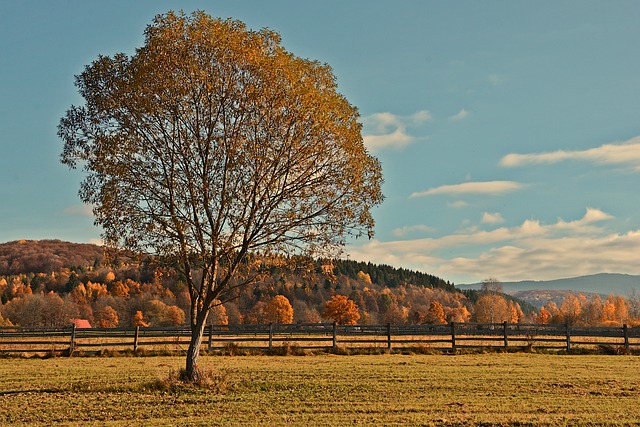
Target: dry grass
[[333, 390]]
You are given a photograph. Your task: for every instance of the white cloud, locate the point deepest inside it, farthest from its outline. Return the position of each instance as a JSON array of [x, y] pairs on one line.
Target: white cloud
[[461, 115], [492, 218], [412, 229], [624, 154], [532, 250], [390, 130], [494, 188], [419, 117], [396, 139]]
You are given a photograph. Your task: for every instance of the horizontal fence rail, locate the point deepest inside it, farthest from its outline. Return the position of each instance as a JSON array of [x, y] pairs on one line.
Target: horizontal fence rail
[[319, 336]]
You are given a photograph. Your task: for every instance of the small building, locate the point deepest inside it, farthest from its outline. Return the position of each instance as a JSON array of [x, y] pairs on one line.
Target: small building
[[81, 323]]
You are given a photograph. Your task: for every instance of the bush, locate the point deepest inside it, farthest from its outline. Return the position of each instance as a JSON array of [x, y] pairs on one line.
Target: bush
[[206, 378]]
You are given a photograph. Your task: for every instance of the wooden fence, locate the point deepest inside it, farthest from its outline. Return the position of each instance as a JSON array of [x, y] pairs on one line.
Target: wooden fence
[[320, 336]]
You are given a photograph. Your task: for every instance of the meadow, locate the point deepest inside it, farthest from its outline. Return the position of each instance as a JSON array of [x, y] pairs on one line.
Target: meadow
[[509, 389]]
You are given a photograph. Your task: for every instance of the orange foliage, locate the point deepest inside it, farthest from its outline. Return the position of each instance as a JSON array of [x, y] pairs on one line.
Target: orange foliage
[[218, 314], [108, 317], [341, 310], [119, 289], [435, 313], [138, 320], [544, 316], [278, 310], [175, 316]]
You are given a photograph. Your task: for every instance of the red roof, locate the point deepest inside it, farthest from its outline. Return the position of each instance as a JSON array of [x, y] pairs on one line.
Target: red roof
[[81, 323]]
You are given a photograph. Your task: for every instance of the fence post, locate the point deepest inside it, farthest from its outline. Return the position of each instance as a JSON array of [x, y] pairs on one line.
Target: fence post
[[625, 331], [506, 339], [210, 343], [135, 339], [72, 344], [568, 338], [335, 336], [270, 336], [389, 337], [453, 336]]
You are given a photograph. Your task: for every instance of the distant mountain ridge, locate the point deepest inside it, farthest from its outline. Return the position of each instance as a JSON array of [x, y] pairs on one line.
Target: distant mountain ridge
[[603, 283]]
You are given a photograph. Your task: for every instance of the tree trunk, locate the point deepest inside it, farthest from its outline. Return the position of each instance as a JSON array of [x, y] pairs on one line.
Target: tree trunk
[[197, 332]]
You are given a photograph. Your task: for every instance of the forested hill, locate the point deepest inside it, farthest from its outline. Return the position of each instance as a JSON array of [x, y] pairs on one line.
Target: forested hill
[[391, 276], [81, 281], [48, 256]]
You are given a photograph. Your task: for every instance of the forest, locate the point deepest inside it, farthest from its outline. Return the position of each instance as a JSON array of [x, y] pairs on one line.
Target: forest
[[51, 283]]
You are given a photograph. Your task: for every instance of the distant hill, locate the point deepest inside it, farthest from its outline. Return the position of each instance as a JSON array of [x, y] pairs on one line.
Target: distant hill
[[88, 278], [46, 256], [604, 284], [539, 297]]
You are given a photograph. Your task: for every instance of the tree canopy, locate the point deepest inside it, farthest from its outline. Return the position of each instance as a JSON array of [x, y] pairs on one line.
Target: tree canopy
[[211, 143]]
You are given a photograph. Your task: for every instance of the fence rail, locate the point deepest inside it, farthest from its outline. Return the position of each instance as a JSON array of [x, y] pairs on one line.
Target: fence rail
[[319, 336]]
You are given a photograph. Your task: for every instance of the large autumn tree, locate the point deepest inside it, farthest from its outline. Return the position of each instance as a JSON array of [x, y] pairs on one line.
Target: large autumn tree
[[211, 144]]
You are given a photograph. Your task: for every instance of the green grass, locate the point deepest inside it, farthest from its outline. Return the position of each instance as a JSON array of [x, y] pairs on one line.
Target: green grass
[[471, 389]]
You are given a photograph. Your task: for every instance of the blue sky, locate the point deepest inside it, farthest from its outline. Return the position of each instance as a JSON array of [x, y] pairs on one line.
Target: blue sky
[[509, 132]]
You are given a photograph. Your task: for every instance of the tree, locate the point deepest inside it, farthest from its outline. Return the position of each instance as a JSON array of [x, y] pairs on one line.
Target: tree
[[107, 317], [138, 320], [213, 143], [493, 308], [279, 310], [543, 317], [364, 277], [491, 286], [435, 313], [341, 310], [218, 314], [160, 314], [571, 308], [40, 310]]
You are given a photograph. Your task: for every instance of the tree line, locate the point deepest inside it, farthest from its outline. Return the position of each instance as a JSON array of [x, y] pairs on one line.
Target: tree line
[[130, 293]]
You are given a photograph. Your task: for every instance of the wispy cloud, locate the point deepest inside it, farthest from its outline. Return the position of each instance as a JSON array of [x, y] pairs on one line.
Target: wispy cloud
[[390, 130], [493, 188], [412, 229], [460, 115], [624, 154], [532, 250], [492, 218]]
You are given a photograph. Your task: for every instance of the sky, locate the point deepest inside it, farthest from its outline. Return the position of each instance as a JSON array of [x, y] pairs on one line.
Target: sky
[[508, 132]]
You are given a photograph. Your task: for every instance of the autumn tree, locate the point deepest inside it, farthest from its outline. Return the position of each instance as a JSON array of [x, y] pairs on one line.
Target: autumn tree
[[571, 308], [278, 310], [40, 310], [160, 314], [341, 310], [138, 320], [218, 314], [493, 308], [5, 322], [491, 286], [543, 317], [107, 317], [211, 143], [435, 313]]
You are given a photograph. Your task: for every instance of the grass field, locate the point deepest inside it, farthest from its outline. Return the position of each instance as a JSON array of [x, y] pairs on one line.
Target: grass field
[[473, 389]]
